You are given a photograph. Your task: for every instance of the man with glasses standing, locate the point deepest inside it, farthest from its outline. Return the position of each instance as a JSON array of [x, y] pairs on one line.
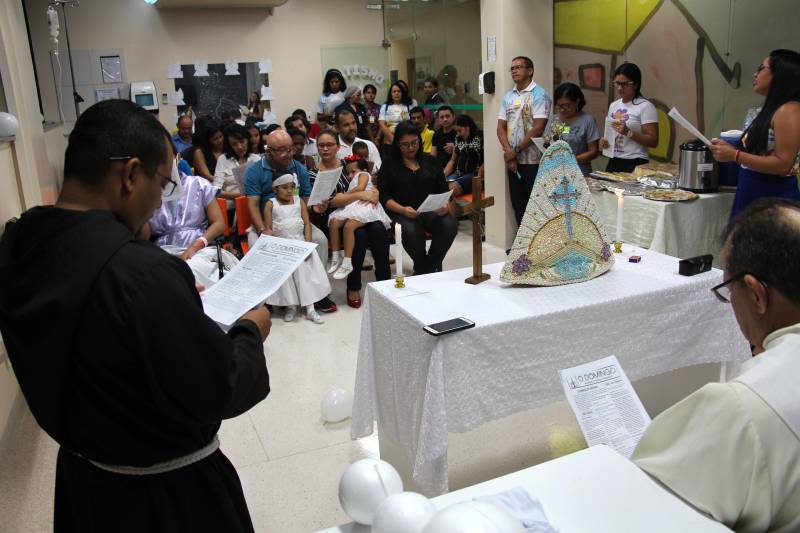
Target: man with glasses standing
[[279, 160], [523, 115], [732, 450], [108, 339]]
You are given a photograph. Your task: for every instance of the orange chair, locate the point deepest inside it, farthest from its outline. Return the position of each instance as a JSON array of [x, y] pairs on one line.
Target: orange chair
[[223, 206], [243, 221]]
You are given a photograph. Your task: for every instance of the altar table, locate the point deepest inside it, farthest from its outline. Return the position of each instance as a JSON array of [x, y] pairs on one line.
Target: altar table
[[679, 229], [419, 387], [594, 490]]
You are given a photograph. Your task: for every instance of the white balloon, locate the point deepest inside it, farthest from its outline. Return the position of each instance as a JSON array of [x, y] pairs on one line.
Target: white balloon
[[9, 125], [474, 517], [407, 512], [364, 485], [337, 404]]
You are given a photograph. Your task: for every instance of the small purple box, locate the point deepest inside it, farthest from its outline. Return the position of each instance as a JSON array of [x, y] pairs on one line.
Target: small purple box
[[635, 259]]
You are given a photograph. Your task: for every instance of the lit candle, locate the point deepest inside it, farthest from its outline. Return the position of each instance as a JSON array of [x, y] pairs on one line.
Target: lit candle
[[620, 206], [398, 255]]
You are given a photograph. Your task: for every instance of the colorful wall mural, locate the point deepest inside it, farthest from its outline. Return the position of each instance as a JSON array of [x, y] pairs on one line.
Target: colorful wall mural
[[696, 55]]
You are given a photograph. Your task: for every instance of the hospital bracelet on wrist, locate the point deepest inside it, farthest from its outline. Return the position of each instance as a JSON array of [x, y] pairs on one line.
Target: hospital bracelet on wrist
[[203, 240], [736, 157]]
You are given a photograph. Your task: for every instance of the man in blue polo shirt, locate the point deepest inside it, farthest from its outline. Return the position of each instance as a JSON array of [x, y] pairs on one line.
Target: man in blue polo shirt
[[523, 115], [183, 139], [279, 160]]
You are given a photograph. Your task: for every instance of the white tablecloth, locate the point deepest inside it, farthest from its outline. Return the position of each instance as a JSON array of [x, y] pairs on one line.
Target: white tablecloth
[[418, 387], [679, 229], [594, 490]]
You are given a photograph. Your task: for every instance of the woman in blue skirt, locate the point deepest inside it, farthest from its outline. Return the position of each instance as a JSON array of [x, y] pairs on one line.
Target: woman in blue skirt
[[768, 158]]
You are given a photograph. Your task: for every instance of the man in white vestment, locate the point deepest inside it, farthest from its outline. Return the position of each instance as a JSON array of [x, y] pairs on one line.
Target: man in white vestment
[[732, 450]]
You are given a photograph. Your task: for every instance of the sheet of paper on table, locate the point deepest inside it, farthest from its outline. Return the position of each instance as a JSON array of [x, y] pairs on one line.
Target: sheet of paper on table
[[434, 202], [263, 270], [677, 117], [538, 142], [324, 185], [607, 408], [610, 135]]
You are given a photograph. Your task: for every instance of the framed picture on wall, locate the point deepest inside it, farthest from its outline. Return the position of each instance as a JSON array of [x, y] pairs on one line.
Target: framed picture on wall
[[592, 76]]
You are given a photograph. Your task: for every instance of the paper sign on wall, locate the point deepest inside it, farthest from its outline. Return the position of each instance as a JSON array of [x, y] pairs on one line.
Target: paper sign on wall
[[200, 69], [266, 93], [265, 66], [231, 68], [176, 98], [174, 72]]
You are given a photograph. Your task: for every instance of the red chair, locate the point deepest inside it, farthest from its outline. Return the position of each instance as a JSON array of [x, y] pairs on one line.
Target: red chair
[[243, 221], [223, 206]]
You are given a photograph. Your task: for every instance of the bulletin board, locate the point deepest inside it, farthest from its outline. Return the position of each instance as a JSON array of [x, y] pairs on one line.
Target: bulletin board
[[216, 93]]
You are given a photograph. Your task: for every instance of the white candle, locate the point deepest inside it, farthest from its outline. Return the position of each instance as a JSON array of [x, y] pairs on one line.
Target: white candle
[[620, 206], [398, 255]]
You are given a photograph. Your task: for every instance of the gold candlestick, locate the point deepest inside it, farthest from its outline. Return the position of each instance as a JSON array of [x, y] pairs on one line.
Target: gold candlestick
[[617, 247], [399, 282]]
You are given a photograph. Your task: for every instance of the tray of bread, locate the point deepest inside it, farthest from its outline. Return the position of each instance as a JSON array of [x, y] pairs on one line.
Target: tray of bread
[[658, 170], [623, 177], [627, 189], [670, 195]]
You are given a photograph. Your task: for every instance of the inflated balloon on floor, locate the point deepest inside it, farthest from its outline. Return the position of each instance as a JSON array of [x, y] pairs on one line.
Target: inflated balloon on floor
[[364, 485], [337, 404], [407, 512], [473, 517]]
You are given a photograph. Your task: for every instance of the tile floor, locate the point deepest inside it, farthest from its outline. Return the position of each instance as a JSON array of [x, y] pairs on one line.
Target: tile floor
[[289, 461]]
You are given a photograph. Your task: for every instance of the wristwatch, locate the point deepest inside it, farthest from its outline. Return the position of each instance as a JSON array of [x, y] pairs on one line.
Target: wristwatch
[[518, 150]]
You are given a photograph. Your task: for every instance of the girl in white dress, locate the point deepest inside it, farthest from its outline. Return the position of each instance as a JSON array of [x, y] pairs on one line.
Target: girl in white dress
[[349, 218], [286, 216]]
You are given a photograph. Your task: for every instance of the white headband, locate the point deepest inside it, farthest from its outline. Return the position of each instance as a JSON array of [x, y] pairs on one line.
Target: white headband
[[286, 178]]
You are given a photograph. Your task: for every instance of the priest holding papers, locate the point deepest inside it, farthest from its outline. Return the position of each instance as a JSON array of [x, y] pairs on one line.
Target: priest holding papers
[[732, 450], [112, 350], [405, 181]]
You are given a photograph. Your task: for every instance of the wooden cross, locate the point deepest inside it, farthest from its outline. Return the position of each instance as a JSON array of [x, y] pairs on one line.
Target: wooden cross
[[474, 210]]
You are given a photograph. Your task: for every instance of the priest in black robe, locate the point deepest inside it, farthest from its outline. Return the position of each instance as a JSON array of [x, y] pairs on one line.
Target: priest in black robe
[[107, 337]]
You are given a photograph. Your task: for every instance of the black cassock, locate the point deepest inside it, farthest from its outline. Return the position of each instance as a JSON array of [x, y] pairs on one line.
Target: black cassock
[[119, 364]]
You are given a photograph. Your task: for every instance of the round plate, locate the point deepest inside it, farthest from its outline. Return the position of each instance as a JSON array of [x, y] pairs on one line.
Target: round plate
[[670, 195]]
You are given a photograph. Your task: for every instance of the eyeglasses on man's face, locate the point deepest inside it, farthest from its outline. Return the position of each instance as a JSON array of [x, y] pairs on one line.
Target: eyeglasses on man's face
[[167, 183], [723, 290], [514, 68], [281, 150], [408, 145]]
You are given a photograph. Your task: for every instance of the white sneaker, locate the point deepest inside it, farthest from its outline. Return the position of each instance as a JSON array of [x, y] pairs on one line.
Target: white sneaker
[[336, 262], [343, 272], [291, 312], [314, 317]]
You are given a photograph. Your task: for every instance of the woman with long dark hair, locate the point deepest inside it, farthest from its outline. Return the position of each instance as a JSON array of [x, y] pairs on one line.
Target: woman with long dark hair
[[396, 109], [405, 179], [255, 106], [209, 146], [635, 120], [467, 159], [770, 152], [333, 86]]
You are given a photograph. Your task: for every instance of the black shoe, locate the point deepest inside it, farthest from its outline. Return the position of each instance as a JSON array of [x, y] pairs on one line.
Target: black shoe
[[508, 251], [325, 305]]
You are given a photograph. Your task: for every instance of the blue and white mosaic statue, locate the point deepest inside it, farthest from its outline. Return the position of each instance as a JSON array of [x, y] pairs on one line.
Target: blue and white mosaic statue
[[561, 239]]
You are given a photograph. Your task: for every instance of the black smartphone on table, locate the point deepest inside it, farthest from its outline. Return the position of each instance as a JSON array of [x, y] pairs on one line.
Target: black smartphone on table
[[449, 326]]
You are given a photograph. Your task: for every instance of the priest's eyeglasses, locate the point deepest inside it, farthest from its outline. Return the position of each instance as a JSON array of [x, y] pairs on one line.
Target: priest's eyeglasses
[[723, 290], [167, 183]]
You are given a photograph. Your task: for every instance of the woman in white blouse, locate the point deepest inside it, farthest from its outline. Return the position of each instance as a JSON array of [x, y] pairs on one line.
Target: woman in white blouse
[[634, 119], [236, 154], [393, 112]]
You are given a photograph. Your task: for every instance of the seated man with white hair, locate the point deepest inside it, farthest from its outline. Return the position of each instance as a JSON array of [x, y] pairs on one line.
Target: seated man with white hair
[[279, 160], [732, 450]]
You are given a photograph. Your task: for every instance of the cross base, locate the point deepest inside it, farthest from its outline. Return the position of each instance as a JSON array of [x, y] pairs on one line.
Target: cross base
[[480, 278]]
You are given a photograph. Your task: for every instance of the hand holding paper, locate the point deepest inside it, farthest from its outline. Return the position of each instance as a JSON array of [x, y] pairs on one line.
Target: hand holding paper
[[324, 186], [434, 202], [610, 135], [677, 117]]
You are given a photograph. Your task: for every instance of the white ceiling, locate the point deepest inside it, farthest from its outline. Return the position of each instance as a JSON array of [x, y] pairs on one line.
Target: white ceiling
[[164, 4]]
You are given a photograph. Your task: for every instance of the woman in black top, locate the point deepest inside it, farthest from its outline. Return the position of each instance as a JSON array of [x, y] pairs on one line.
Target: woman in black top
[[406, 178], [467, 159]]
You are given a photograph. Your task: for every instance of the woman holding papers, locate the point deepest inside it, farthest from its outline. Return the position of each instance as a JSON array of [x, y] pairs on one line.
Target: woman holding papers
[[631, 122], [771, 142], [372, 235], [405, 181]]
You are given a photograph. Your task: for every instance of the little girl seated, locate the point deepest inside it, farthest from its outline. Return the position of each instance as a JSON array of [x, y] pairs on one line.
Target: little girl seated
[[286, 216], [352, 216]]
